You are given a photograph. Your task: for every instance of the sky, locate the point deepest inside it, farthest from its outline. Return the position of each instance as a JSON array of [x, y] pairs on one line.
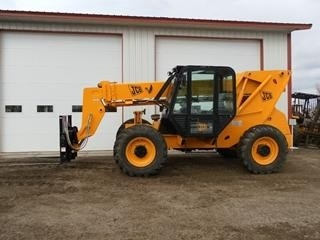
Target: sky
[[305, 44]]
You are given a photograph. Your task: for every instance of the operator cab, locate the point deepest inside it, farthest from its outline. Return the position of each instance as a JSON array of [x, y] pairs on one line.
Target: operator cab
[[199, 101]]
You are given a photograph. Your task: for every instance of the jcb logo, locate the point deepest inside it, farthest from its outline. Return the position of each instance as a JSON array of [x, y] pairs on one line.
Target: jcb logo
[[135, 90], [266, 96]]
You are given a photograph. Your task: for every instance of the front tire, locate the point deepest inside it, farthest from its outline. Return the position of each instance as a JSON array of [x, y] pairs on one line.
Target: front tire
[[140, 151], [263, 149], [131, 121]]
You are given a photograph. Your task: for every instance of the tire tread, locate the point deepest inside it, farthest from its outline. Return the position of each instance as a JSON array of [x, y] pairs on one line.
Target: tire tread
[[136, 131], [246, 142]]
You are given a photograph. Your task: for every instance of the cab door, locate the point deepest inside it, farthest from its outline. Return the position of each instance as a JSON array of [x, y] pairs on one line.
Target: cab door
[[201, 114], [205, 101]]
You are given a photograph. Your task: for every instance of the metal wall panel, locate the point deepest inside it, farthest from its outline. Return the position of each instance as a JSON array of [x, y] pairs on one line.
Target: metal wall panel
[[276, 55], [135, 56]]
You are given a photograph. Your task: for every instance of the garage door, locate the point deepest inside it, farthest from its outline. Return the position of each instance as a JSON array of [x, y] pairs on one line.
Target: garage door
[[239, 54], [42, 77]]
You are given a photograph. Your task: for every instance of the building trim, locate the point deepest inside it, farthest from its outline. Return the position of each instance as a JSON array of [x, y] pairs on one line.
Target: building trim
[[261, 54], [63, 32], [289, 62], [168, 22]]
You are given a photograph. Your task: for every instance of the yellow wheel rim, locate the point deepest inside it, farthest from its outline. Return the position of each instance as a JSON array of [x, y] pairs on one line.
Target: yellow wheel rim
[[140, 152], [265, 150]]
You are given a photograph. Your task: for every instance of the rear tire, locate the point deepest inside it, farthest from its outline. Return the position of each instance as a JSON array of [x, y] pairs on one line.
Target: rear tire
[[140, 151], [263, 149]]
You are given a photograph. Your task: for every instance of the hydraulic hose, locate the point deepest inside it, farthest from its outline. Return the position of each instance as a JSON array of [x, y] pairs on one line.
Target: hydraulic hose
[[83, 142]]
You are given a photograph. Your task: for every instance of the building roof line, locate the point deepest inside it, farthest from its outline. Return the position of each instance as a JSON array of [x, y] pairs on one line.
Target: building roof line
[[58, 17]]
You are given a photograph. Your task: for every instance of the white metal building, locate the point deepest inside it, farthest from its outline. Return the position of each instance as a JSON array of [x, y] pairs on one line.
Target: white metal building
[[46, 59]]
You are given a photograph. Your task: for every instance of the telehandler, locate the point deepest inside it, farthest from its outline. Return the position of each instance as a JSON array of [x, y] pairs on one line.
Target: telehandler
[[200, 108]]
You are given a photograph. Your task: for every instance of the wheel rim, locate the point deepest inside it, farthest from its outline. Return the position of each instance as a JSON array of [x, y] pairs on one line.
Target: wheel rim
[[265, 150], [140, 152]]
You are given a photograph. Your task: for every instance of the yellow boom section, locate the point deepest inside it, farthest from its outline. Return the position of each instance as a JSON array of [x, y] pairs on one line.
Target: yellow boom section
[[109, 95]]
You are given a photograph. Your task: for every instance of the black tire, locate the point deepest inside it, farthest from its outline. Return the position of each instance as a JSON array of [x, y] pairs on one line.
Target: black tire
[[227, 152], [123, 125], [140, 151], [263, 149]]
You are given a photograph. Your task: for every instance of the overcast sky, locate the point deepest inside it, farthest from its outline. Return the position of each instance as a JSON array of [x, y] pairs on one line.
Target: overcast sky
[[306, 44]]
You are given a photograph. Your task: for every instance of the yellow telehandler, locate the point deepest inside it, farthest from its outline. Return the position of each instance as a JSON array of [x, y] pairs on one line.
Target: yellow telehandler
[[200, 108]]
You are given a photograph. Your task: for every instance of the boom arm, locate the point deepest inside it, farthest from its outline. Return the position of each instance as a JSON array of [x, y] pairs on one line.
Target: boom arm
[[108, 96]]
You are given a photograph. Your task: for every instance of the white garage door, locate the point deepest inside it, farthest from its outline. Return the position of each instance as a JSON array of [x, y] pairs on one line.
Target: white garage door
[[239, 54], [42, 76]]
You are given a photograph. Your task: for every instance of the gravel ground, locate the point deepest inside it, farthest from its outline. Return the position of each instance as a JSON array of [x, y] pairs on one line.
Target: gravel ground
[[195, 196]]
